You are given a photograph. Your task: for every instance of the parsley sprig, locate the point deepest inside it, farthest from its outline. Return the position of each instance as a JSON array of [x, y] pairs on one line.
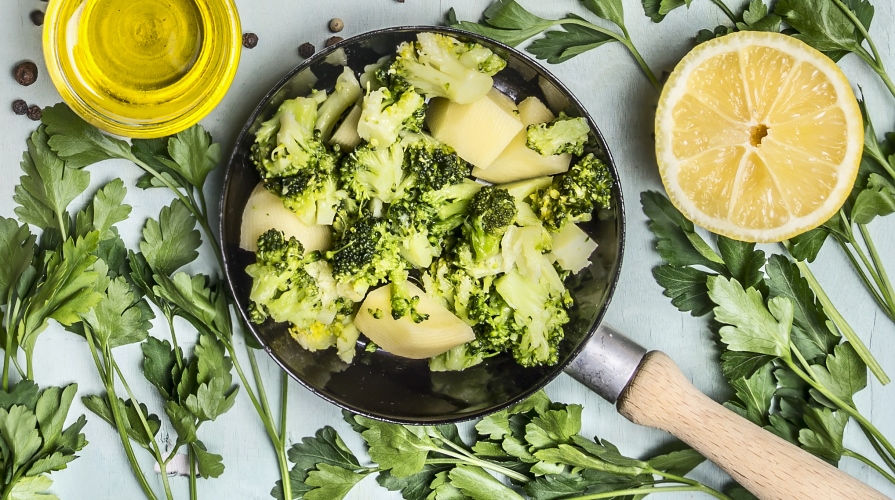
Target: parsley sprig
[[180, 164], [873, 196], [510, 23], [194, 390], [535, 445], [785, 356]]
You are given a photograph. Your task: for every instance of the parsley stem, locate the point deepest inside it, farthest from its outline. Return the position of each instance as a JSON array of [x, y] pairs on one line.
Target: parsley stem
[[650, 490], [112, 401], [841, 323], [281, 446], [178, 356], [885, 285], [842, 405], [194, 495], [691, 482], [156, 451], [879, 449], [485, 464], [866, 461], [625, 40], [877, 63], [727, 12], [862, 273]]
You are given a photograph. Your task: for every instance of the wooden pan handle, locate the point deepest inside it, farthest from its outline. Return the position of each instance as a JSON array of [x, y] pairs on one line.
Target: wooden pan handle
[[771, 468]]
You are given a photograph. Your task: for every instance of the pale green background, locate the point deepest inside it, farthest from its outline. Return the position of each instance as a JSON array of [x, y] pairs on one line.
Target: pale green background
[[622, 102]]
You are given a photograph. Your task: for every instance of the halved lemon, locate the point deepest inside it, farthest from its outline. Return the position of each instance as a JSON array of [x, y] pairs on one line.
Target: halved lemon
[[758, 136]]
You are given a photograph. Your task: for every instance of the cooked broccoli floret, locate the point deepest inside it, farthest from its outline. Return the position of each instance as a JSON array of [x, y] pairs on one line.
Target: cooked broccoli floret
[[491, 211], [376, 75], [562, 135], [433, 164], [369, 173], [287, 143], [366, 254], [312, 194], [440, 66], [410, 220], [526, 249], [540, 315], [573, 195], [404, 304], [282, 288], [346, 93], [338, 331], [295, 163], [384, 115], [457, 359], [476, 302]]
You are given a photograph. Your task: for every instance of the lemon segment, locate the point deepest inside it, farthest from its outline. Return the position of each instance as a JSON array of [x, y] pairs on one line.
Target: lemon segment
[[758, 136]]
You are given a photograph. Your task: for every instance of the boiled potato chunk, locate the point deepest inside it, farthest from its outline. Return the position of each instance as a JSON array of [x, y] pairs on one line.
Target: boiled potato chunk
[[572, 248], [479, 131], [532, 110], [438, 334], [264, 210], [518, 161], [504, 101], [346, 134], [520, 190]]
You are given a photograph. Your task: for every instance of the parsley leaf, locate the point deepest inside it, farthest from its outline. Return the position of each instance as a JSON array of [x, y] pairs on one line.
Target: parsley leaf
[[757, 18], [170, 242], [749, 325], [686, 287], [330, 482], [325, 447], [812, 332], [16, 252], [79, 143], [658, 9], [48, 186], [677, 241], [106, 210], [679, 462], [822, 25], [194, 155], [755, 395], [561, 45], [477, 484], [844, 374], [119, 318], [508, 22], [823, 437]]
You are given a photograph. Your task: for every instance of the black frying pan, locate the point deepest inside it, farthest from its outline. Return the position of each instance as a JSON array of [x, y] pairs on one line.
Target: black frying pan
[[647, 387]]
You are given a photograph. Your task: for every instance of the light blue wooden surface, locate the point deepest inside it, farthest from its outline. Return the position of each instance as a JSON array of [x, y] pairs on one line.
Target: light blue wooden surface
[[622, 103]]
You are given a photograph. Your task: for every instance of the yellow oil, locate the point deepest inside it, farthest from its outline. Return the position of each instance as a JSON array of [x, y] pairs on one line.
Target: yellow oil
[[148, 67], [134, 48]]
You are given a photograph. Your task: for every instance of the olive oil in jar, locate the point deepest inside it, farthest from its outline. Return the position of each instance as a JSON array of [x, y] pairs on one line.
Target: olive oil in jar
[[135, 48], [139, 63]]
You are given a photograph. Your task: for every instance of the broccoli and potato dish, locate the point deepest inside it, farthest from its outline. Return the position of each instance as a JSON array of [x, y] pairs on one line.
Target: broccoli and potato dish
[[417, 205]]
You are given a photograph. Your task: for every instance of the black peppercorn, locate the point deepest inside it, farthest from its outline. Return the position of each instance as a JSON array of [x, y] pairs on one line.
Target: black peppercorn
[[19, 107], [306, 50], [37, 17], [336, 25], [34, 112], [249, 40], [25, 73], [332, 40]]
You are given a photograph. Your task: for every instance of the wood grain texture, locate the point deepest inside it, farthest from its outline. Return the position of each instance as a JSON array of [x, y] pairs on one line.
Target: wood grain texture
[[768, 466]]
